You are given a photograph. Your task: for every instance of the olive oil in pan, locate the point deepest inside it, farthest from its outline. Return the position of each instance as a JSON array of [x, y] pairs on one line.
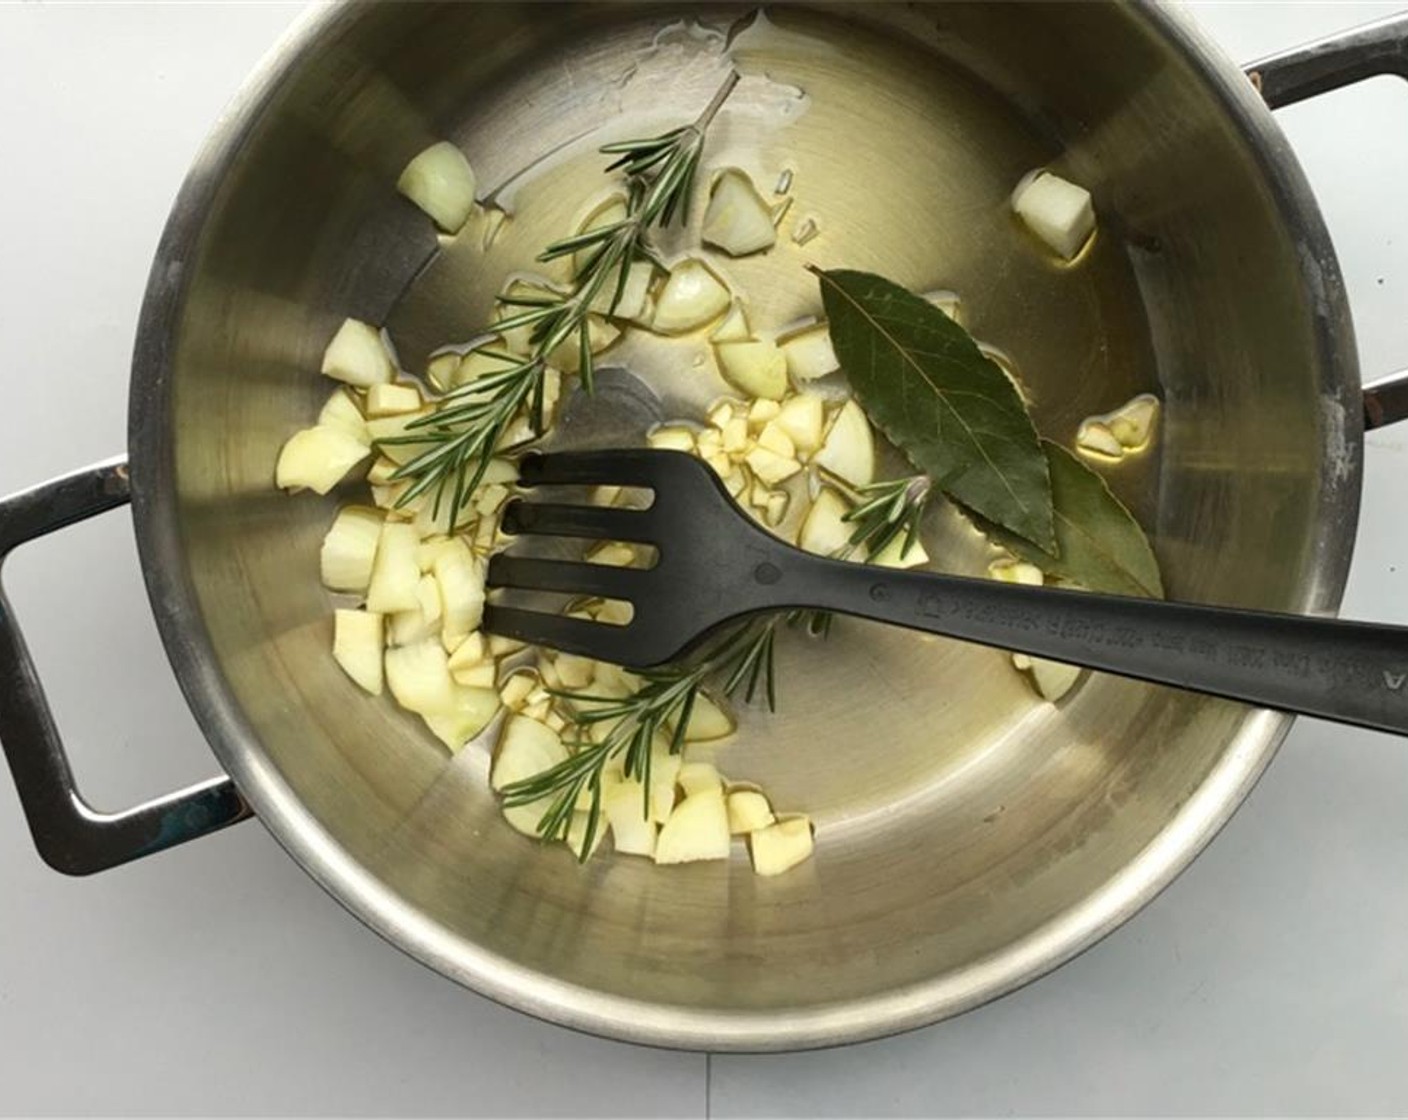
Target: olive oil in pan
[[906, 172]]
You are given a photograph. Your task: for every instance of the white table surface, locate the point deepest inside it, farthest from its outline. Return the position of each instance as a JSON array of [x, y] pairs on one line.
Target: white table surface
[[217, 979]]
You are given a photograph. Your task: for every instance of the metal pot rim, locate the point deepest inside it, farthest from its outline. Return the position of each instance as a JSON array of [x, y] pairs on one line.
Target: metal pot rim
[[235, 744]]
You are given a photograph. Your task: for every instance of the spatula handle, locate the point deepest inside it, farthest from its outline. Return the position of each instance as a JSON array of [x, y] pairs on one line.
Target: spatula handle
[[1351, 672]]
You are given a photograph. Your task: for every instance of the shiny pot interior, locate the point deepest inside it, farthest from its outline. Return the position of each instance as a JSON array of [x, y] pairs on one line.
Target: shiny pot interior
[[970, 837]]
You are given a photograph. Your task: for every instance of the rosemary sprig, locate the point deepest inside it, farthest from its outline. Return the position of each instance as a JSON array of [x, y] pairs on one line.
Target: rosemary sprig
[[464, 430], [742, 659], [887, 509]]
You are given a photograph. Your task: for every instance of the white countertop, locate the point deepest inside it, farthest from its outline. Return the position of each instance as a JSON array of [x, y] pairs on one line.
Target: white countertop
[[217, 979]]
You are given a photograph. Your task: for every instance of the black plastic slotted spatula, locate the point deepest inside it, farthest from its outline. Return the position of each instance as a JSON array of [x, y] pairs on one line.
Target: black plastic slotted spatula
[[715, 565]]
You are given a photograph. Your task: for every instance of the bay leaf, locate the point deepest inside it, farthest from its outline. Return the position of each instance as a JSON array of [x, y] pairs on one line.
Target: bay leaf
[[952, 411], [1099, 543]]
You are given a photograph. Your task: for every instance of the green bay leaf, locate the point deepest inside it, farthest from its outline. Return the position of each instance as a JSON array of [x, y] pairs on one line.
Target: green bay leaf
[[1099, 543], [952, 411]]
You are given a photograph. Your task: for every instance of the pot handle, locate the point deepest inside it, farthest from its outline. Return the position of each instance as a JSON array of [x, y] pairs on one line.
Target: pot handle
[[71, 836], [1327, 64]]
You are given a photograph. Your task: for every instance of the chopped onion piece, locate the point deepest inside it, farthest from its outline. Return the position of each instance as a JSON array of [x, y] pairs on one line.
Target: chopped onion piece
[[761, 411], [460, 576], [757, 367], [1054, 679], [671, 439], [517, 689], [473, 710], [635, 304], [776, 508], [468, 653], [440, 181], [440, 370], [771, 467], [781, 846], [691, 297], [810, 354], [392, 400], [737, 220], [893, 555], [699, 777], [526, 748], [483, 675], [773, 438], [357, 355], [707, 721], [342, 411], [614, 554], [317, 459], [803, 419], [385, 428], [575, 672], [1094, 438], [1058, 212], [849, 449], [396, 570], [1132, 423], [734, 327], [382, 471], [624, 804], [697, 829], [734, 435], [601, 335], [825, 531], [947, 302], [357, 642], [748, 811], [1016, 571], [419, 678], [349, 549]]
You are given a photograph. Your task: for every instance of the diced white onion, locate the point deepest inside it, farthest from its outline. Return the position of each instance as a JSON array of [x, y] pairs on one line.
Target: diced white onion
[[697, 829], [671, 439], [804, 420], [1058, 212], [471, 712], [1094, 438], [810, 354], [357, 643], [342, 411], [691, 297], [440, 181], [849, 449], [781, 846], [825, 531], [349, 549], [699, 777], [357, 355], [893, 555], [737, 219], [419, 678], [317, 459], [734, 327], [460, 576], [757, 367], [391, 399], [748, 811], [395, 571], [624, 804]]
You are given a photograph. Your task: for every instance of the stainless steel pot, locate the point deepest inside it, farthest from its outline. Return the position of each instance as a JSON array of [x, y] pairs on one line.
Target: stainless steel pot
[[970, 839]]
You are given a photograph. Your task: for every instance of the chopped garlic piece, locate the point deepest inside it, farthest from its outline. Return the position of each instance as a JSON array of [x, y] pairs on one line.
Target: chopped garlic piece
[[692, 296], [757, 367], [317, 459], [748, 811], [810, 354]]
